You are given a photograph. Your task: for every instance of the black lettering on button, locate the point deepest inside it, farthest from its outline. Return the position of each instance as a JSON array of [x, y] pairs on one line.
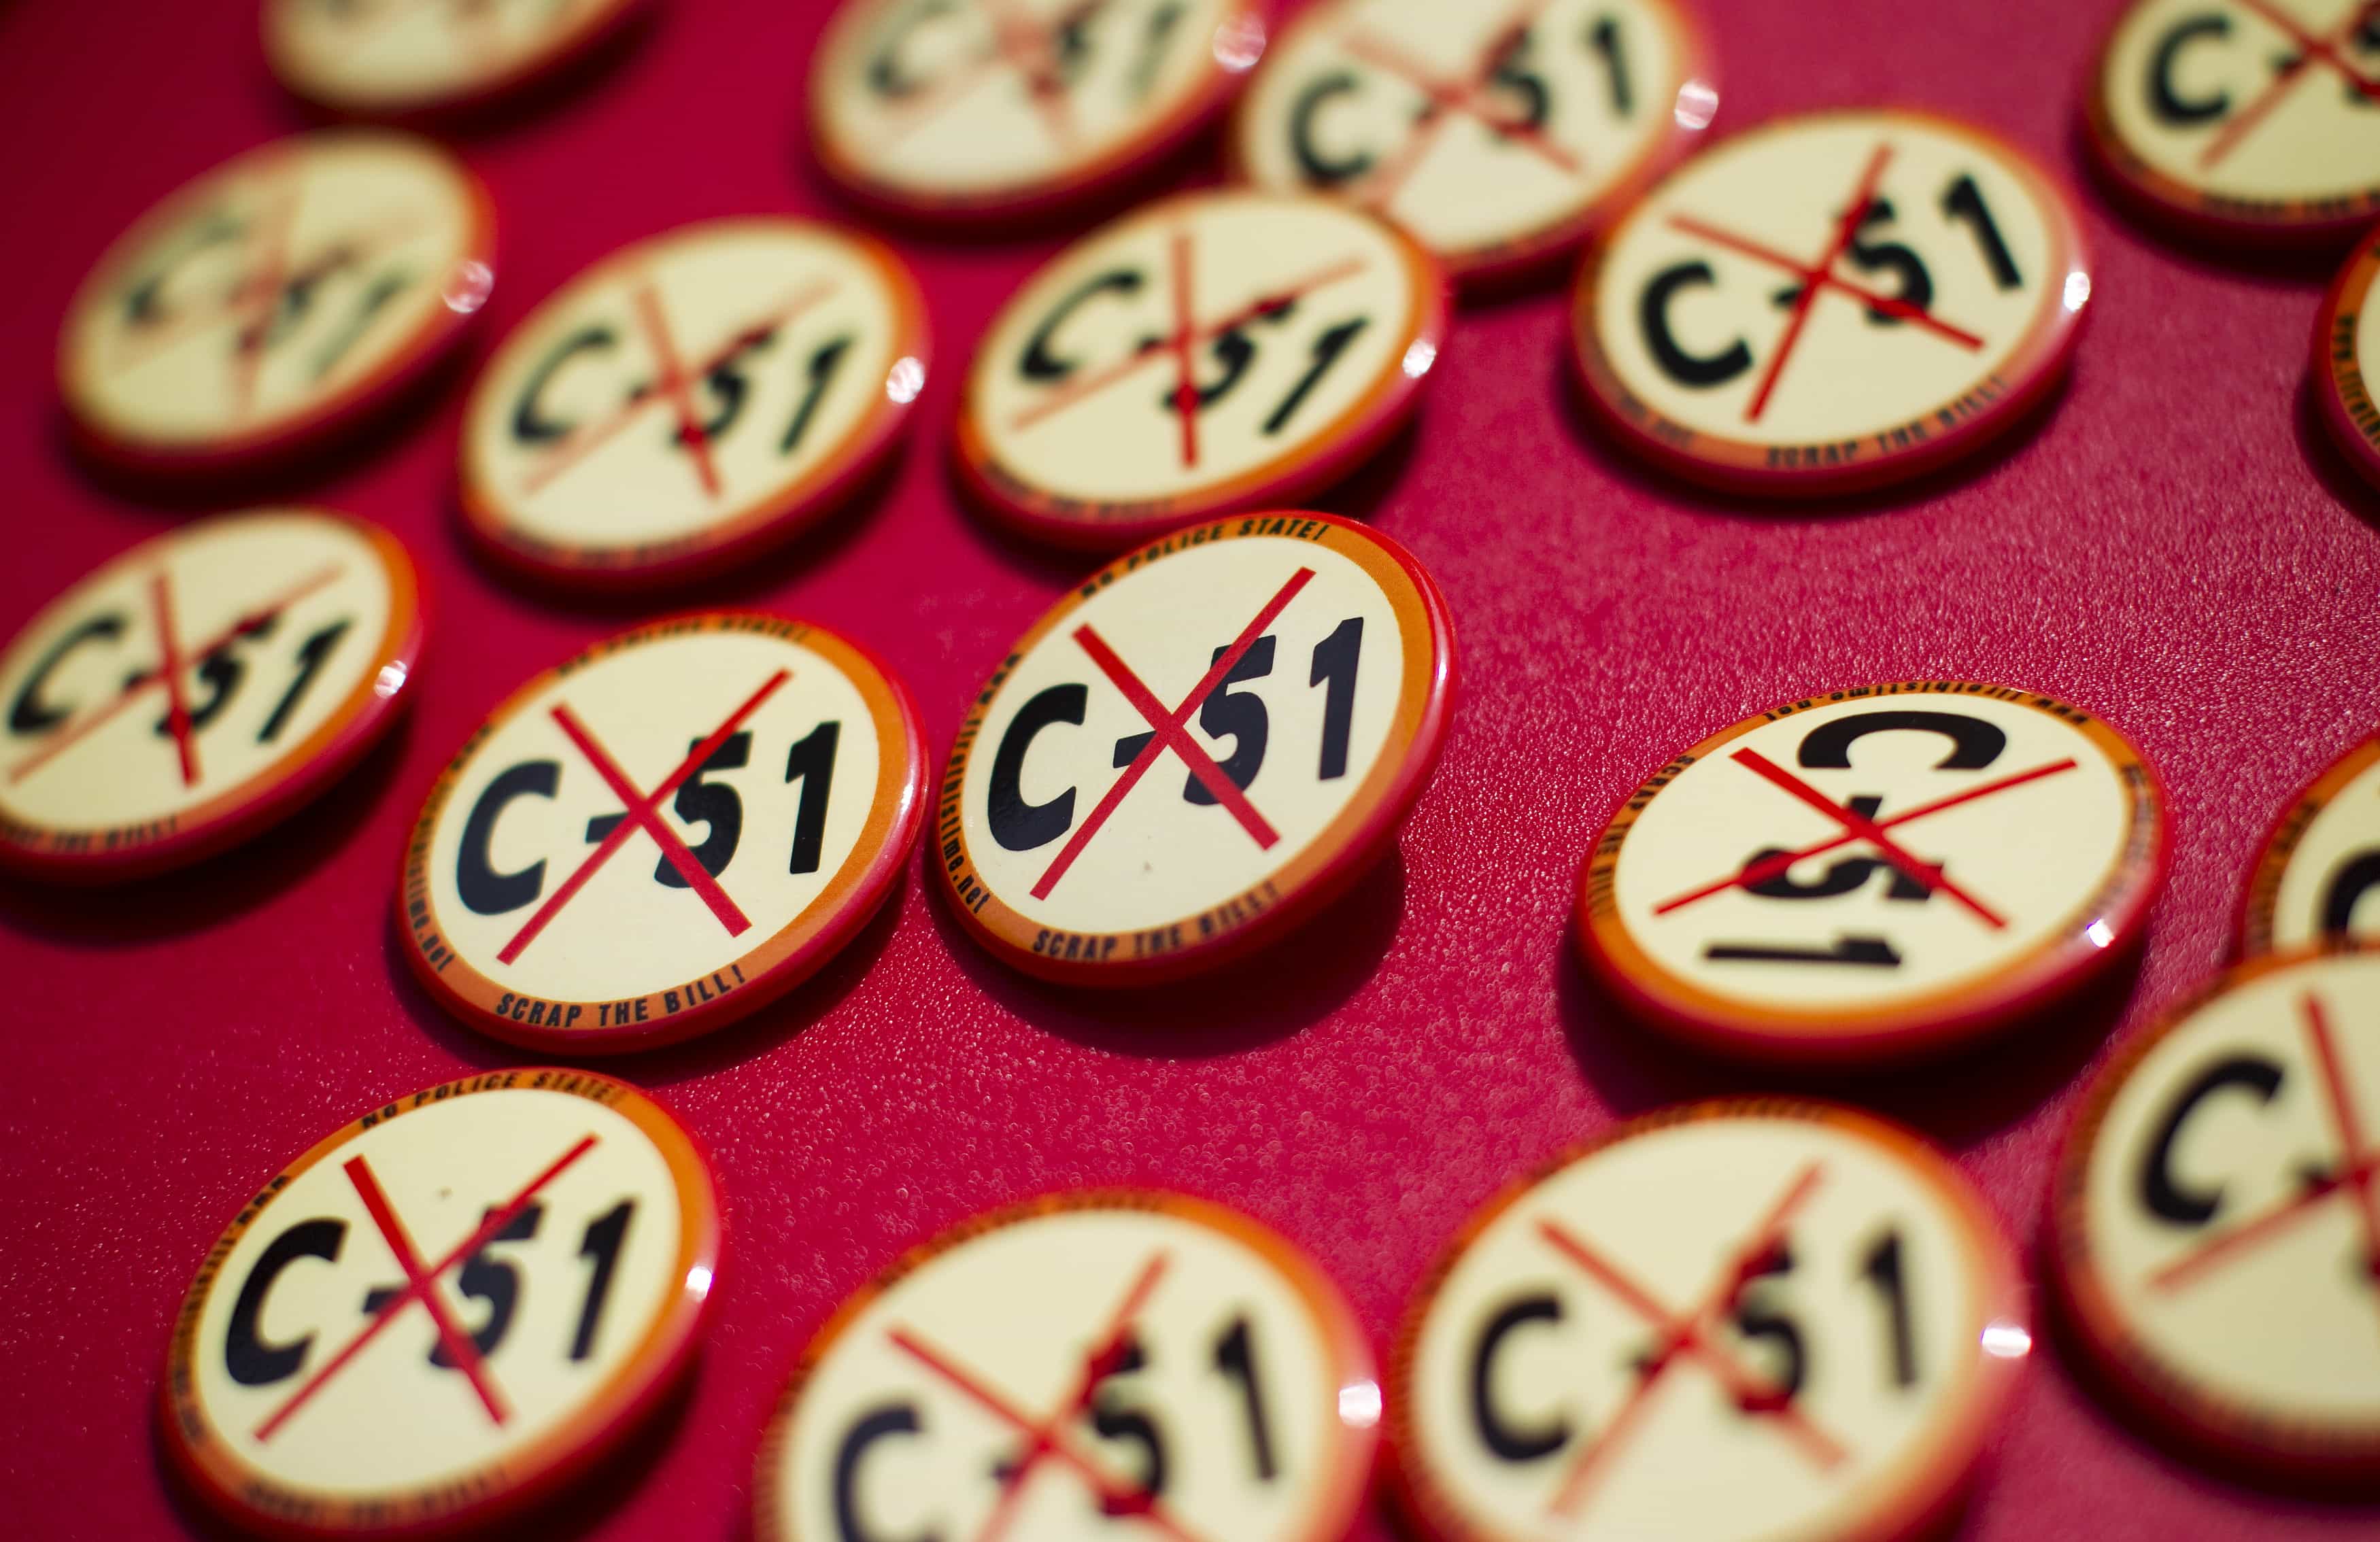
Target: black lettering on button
[[2161, 1189], [2355, 877], [483, 889], [1699, 370], [1040, 363], [32, 712], [1016, 824], [531, 423], [877, 1424], [247, 1358], [1974, 743], [1315, 164], [2165, 97], [1508, 1439]]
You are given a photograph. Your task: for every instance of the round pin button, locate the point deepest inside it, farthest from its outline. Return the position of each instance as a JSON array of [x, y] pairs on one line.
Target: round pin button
[[1202, 744], [689, 398], [2317, 874], [1829, 302], [2243, 119], [662, 835], [391, 58], [2346, 341], [1500, 136], [199, 688], [984, 109], [1072, 1364], [1879, 872], [275, 300], [2216, 1239], [445, 1311], [1747, 1319], [1211, 353]]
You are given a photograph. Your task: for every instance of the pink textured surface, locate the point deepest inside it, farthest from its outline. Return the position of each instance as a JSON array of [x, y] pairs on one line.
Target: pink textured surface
[[2170, 546]]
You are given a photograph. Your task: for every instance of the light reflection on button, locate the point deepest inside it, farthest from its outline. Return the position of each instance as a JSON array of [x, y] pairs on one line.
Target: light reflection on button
[[2078, 289], [391, 680], [2002, 1339], [697, 1280], [468, 290], [1420, 357], [1359, 1404], [1240, 42], [2100, 933], [1698, 104], [903, 381]]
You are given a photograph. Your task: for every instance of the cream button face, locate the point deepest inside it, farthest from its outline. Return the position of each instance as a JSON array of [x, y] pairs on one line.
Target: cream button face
[[1498, 134], [2318, 876], [690, 396], [445, 1308], [1075, 1367], [2346, 356], [274, 298], [1211, 353], [975, 107], [1831, 301], [2245, 118], [2217, 1231], [1878, 872], [1212, 737], [197, 687], [1739, 1319], [397, 56], [662, 835]]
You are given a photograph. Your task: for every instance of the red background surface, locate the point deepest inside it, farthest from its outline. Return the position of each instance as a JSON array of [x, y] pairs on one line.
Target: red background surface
[[2171, 545]]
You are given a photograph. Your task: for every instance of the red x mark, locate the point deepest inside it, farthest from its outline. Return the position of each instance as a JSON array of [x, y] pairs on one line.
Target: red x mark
[[1020, 41], [1169, 735], [1049, 1437], [2359, 1170], [1815, 278], [1466, 94], [1858, 827], [169, 669], [168, 675], [674, 386], [1689, 1335], [1187, 335], [643, 814], [422, 1285], [2311, 50]]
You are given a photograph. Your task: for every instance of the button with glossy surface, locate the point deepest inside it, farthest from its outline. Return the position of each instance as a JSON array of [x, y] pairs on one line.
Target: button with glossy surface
[[275, 300], [1083, 1366], [1211, 353], [975, 109], [389, 58], [2346, 358], [1878, 871], [689, 398], [1206, 742], [445, 1310], [2255, 120], [2317, 874], [1748, 1319], [662, 835], [1833, 301], [200, 688], [1498, 134], [2217, 1227]]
